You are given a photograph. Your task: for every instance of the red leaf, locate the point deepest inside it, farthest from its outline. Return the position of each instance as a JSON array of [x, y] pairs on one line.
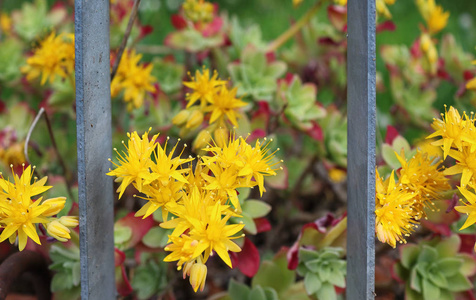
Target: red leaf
[[3, 107], [146, 30], [386, 26], [213, 27], [119, 257], [178, 21], [315, 132], [262, 225], [247, 260], [392, 133], [337, 16], [270, 57], [468, 75], [467, 243]]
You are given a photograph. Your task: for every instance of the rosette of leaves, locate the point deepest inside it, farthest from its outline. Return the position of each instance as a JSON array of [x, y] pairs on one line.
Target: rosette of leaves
[[169, 75], [255, 76], [322, 271], [301, 106], [241, 36], [434, 269], [150, 277]]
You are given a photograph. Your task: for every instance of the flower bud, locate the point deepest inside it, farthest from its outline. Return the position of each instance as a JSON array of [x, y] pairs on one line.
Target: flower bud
[[58, 231], [198, 276], [202, 139], [69, 221], [181, 117], [195, 119], [55, 206]]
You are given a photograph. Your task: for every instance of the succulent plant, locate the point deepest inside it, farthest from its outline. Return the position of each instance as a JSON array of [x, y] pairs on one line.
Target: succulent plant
[[434, 269], [239, 291], [322, 271], [255, 76]]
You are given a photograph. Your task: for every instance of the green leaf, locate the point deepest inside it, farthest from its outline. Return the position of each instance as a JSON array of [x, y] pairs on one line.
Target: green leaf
[[122, 234], [468, 267], [62, 281], [437, 278], [448, 247], [314, 265], [458, 283], [308, 254], [409, 255], [257, 293], [238, 291], [389, 157], [311, 283], [326, 292], [270, 294], [274, 274], [156, 237], [337, 279], [256, 208], [449, 266], [250, 225], [427, 254], [415, 281], [430, 291], [76, 273]]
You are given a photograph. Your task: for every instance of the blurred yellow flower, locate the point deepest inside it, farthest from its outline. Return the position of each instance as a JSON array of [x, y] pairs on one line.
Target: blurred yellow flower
[[198, 10], [54, 57], [134, 79], [434, 15]]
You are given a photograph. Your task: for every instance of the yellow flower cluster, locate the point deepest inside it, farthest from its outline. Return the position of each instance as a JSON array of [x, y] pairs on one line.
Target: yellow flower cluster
[[458, 140], [19, 213], [201, 200], [133, 79], [400, 205], [436, 19], [216, 103], [198, 11], [54, 57]]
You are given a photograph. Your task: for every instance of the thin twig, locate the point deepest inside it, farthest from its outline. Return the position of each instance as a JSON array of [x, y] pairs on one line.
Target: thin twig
[[30, 131], [294, 29], [126, 37], [67, 173]]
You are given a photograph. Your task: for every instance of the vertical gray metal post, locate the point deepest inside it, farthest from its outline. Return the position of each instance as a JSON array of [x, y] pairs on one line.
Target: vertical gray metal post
[[93, 113], [361, 116]]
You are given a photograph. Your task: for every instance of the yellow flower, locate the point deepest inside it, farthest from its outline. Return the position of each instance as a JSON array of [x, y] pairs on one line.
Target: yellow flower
[[214, 235], [341, 2], [198, 10], [471, 85], [58, 231], [393, 211], [296, 3], [465, 164], [204, 88], [225, 103], [134, 79], [134, 165], [423, 176], [19, 213], [159, 195], [453, 130], [258, 163], [469, 207], [5, 23], [54, 57], [182, 248], [434, 15]]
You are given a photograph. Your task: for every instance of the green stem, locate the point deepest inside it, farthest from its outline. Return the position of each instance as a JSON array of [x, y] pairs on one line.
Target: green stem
[[285, 36]]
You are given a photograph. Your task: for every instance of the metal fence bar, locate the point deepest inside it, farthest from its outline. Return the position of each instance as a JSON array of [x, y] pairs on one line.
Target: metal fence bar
[[361, 149], [93, 112]]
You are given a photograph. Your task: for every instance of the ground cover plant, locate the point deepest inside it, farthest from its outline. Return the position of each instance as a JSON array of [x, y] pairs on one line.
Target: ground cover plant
[[230, 147]]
